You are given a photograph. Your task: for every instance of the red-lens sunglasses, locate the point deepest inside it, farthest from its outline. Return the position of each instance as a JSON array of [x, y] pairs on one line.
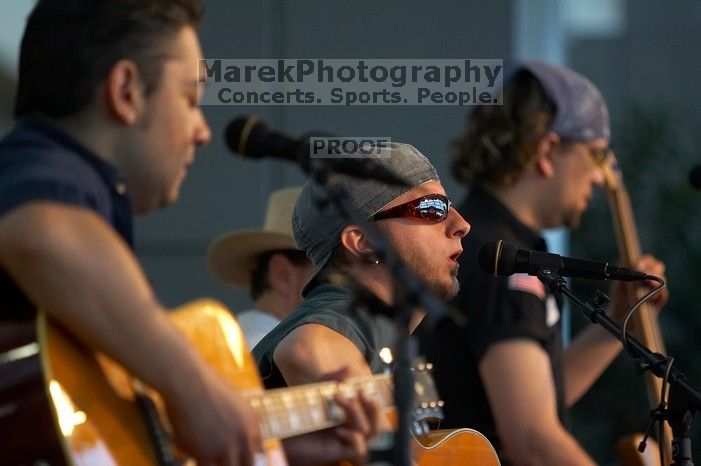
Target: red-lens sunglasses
[[432, 208]]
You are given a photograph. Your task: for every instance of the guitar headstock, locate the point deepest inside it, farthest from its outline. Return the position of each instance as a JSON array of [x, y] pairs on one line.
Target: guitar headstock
[[428, 405]]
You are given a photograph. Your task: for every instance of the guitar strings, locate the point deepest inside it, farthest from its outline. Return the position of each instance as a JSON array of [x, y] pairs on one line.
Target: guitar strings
[[290, 410]]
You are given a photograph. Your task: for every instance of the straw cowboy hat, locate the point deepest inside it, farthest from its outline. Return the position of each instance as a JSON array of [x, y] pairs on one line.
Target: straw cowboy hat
[[232, 255]]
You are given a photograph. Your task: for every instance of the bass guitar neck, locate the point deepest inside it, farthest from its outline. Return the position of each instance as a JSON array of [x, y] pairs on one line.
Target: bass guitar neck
[[647, 328]]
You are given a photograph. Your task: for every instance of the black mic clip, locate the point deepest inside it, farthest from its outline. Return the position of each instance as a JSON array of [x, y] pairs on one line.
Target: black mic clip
[[641, 366], [554, 282], [598, 302], [600, 299], [551, 279]]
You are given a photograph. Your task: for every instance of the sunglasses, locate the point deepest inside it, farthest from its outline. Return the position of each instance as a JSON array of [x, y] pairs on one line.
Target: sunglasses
[[432, 208], [598, 155]]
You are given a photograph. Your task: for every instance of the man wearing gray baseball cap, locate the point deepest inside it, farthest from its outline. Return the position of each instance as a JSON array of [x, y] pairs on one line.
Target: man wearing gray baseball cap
[[324, 335], [531, 163]]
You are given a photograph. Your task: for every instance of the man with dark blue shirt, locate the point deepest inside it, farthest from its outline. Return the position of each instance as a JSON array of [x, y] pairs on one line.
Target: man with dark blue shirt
[[108, 123]]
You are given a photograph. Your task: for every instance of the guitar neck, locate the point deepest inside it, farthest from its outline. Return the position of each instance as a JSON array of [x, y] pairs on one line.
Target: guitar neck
[[630, 251], [287, 412], [648, 329]]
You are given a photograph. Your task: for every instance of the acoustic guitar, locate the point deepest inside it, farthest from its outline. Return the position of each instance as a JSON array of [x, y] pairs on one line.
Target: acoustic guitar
[[62, 404], [647, 329]]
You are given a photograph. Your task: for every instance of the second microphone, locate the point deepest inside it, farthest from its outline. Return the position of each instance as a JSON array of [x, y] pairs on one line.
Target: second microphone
[[500, 258]]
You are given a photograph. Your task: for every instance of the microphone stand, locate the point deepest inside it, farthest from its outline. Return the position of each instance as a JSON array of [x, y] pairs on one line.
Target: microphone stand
[[684, 399], [409, 292]]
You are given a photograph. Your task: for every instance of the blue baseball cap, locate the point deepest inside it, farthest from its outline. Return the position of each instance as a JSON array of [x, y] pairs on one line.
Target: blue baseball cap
[[318, 232], [581, 113]]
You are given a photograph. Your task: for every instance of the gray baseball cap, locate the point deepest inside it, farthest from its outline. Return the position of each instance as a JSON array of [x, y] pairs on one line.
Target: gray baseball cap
[[318, 232], [581, 113]]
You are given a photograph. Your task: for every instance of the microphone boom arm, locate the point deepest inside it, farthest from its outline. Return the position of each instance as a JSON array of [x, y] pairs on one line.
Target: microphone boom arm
[[684, 399]]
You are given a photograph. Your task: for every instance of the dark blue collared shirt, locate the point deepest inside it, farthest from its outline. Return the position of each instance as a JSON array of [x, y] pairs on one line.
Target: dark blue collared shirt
[[38, 161]]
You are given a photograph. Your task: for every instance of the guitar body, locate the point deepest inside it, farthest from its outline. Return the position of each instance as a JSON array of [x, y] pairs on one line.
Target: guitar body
[[92, 403], [97, 422], [459, 447], [64, 405]]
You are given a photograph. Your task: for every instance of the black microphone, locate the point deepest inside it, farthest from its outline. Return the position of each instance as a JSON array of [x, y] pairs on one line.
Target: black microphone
[[695, 177], [501, 258], [250, 137]]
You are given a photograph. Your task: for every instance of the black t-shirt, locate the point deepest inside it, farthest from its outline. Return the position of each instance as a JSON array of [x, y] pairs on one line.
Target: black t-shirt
[[38, 161], [497, 309]]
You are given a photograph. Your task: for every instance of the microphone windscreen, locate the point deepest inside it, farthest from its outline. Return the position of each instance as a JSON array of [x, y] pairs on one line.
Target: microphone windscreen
[[695, 177], [497, 258], [239, 133], [251, 137], [486, 257]]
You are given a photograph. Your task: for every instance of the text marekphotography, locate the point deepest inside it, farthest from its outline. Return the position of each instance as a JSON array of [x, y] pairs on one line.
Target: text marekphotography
[[351, 81]]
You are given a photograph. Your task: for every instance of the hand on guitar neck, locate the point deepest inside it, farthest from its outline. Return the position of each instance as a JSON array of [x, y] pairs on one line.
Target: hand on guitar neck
[[362, 416], [346, 441]]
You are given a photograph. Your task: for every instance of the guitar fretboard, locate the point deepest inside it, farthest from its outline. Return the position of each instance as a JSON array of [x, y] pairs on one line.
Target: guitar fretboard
[[287, 412]]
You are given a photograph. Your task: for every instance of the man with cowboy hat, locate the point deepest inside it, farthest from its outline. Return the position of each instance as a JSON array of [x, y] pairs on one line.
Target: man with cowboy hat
[[265, 263]]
